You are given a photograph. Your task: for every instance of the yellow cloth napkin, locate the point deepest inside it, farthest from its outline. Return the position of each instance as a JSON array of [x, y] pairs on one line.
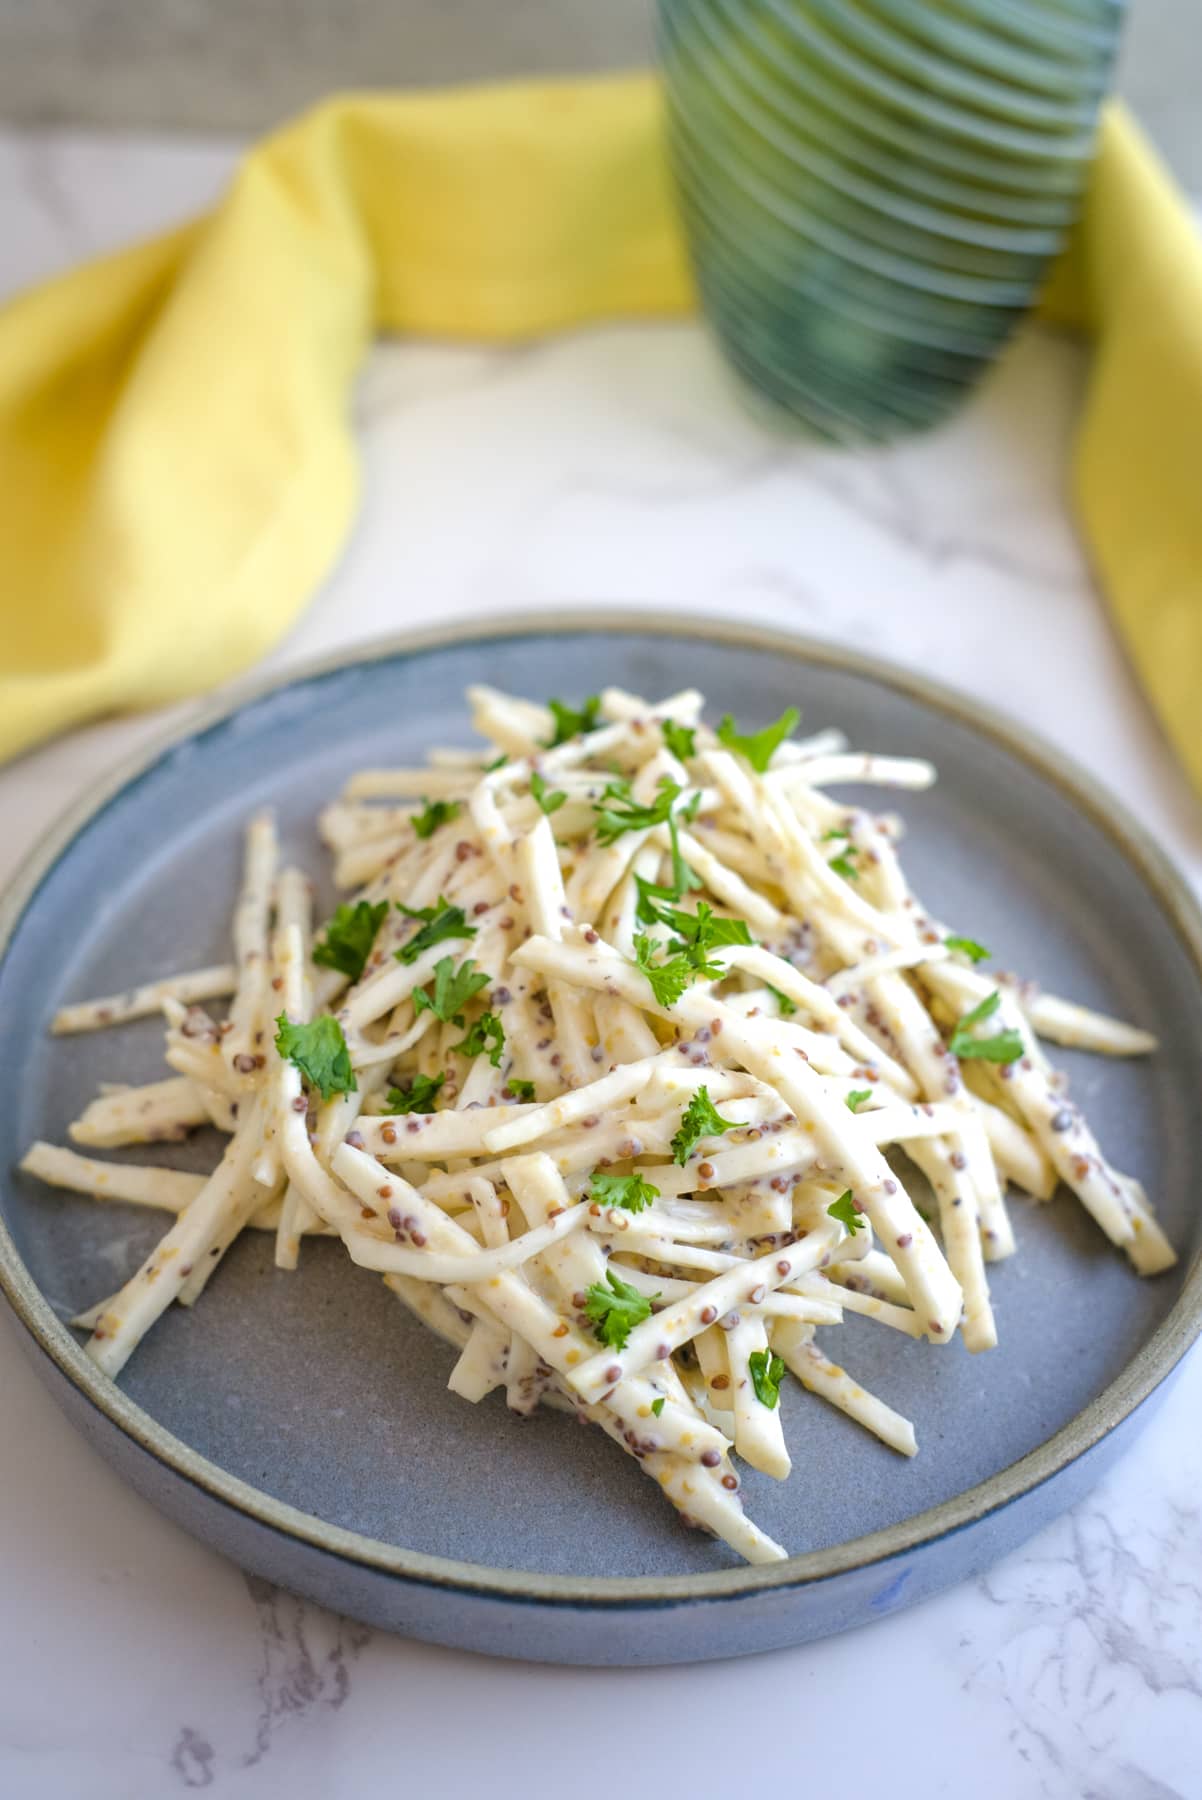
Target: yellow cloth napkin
[[178, 471]]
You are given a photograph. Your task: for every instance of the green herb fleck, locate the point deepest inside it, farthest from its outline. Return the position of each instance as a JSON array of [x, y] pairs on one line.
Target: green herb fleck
[[680, 739], [442, 921], [615, 1310], [418, 1097], [843, 865], [836, 832], [453, 988], [319, 1051], [624, 813], [700, 931], [484, 1034], [521, 1090], [657, 1406], [855, 1100], [699, 1120], [683, 878], [437, 812], [968, 947], [549, 803], [1003, 1047], [668, 979], [787, 1008], [498, 762], [759, 745], [767, 1371], [628, 1191], [349, 937], [846, 1211], [569, 723]]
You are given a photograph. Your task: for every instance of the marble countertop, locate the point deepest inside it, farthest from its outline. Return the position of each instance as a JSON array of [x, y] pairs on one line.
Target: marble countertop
[[619, 465]]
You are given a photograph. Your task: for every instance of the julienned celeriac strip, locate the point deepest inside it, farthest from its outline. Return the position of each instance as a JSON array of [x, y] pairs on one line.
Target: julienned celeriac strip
[[617, 1065]]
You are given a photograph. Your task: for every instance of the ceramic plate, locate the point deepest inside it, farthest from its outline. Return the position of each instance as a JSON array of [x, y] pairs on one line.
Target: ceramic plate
[[300, 1421]]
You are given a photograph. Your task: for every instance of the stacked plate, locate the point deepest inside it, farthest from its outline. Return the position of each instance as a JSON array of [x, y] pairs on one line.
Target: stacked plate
[[873, 189]]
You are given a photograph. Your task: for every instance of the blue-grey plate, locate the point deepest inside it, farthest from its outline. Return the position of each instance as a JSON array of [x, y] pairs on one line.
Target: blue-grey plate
[[300, 1421]]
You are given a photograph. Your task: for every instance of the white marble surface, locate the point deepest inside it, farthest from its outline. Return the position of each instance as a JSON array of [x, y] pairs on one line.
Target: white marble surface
[[618, 465]]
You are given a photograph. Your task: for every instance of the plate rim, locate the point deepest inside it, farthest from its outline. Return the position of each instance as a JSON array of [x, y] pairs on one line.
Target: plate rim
[[1135, 1382]]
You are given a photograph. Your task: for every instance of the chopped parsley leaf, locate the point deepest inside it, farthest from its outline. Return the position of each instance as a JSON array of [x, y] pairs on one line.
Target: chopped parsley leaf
[[612, 822], [704, 930], [828, 836], [521, 1090], [484, 1034], [615, 1310], [855, 1100], [630, 1192], [349, 937], [759, 745], [418, 1097], [442, 921], [453, 988], [657, 1406], [968, 947], [843, 865], [319, 1051], [569, 723], [668, 979], [437, 812], [683, 878], [787, 1008], [549, 803], [846, 1211], [767, 1371], [498, 762], [699, 1120], [680, 739], [1003, 1047]]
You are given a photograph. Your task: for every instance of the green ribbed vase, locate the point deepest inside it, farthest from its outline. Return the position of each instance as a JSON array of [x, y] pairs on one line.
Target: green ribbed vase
[[872, 190]]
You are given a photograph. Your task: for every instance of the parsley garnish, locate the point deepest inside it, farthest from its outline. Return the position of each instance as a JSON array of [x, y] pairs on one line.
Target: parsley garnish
[[767, 1371], [683, 878], [657, 1406], [438, 812], [611, 822], [680, 739], [846, 1211], [1003, 1047], [498, 762], [442, 921], [549, 803], [485, 1033], [569, 723], [453, 988], [855, 1100], [319, 1051], [968, 947], [835, 832], [787, 1008], [521, 1090], [615, 1310], [700, 931], [418, 1097], [843, 865], [698, 1120], [349, 937], [759, 746], [670, 978], [646, 911], [628, 1191]]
